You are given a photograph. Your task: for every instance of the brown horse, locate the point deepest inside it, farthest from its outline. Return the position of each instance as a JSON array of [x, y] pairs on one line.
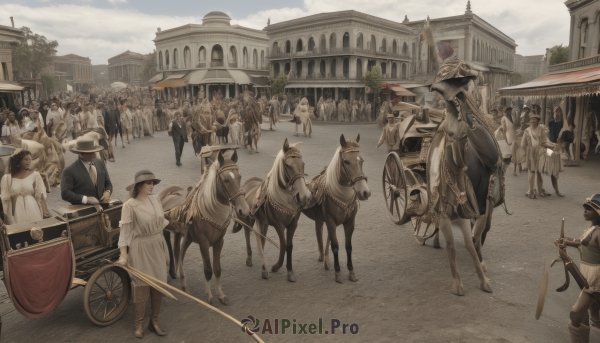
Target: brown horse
[[336, 192], [277, 201], [205, 216]]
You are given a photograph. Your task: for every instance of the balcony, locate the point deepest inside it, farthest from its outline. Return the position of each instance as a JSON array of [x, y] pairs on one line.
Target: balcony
[[337, 51], [584, 62], [216, 64], [346, 75]]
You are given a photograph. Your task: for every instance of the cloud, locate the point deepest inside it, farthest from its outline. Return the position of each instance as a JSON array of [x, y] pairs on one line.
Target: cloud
[[100, 33], [114, 2]]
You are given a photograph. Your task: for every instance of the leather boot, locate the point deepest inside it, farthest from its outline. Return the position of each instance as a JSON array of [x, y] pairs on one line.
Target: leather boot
[[140, 298], [584, 333], [574, 332], [156, 298]]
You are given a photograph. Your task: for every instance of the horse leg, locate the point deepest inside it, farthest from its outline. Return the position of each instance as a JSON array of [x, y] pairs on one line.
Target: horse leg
[[217, 247], [262, 228], [289, 248], [446, 228], [186, 245], [282, 248], [172, 273], [208, 272], [348, 231], [436, 240], [335, 248], [176, 252], [478, 229], [319, 232], [484, 282], [248, 247], [326, 263]]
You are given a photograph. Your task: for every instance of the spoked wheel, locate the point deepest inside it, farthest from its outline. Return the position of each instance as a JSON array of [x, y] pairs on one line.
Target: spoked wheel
[[423, 230], [106, 295], [395, 188]]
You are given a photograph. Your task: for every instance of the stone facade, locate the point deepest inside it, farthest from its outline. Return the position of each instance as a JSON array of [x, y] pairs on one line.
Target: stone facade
[[9, 38], [73, 70], [584, 38], [125, 67], [531, 67], [101, 75]]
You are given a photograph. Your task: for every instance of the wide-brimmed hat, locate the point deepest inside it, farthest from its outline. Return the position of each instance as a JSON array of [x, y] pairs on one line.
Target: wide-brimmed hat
[[531, 116], [86, 145], [143, 176], [593, 202]]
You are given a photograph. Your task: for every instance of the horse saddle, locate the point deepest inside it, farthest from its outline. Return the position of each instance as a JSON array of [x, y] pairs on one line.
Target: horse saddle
[[261, 196]]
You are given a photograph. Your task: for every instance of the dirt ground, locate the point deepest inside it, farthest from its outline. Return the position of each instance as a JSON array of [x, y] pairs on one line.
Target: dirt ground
[[403, 289]]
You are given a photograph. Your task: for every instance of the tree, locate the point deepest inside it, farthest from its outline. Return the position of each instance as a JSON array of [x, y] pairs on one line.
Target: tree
[[148, 67], [279, 84], [516, 79], [372, 80], [560, 54], [32, 55], [49, 84]]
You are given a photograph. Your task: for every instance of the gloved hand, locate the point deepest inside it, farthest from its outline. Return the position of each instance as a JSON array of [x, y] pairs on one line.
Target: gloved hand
[[123, 259]]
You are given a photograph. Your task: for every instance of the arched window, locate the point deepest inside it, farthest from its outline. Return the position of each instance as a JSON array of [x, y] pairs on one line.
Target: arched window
[[346, 40], [373, 44], [288, 47], [160, 60], [394, 71], [332, 41], [323, 44], [299, 69], [383, 69], [299, 45], [167, 58], [404, 48], [275, 48], [359, 41], [187, 57], [255, 59], [322, 69], [311, 69], [384, 45], [583, 38], [262, 58], [358, 68], [394, 47], [287, 69], [245, 57], [346, 68], [276, 69], [404, 76], [232, 58], [311, 44], [202, 55], [175, 59], [332, 69], [216, 56]]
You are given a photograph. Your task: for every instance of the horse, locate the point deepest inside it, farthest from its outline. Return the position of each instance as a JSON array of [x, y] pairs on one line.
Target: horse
[[465, 179], [205, 215], [251, 128], [336, 192], [277, 201]]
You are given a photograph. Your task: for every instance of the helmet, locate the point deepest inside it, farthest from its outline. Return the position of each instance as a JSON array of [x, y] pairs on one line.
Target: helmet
[[593, 202]]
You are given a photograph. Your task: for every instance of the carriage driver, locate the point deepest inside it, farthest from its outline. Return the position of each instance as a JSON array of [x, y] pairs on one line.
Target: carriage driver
[[86, 181]]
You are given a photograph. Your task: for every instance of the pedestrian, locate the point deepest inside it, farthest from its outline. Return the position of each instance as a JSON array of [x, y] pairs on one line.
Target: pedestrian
[[178, 131], [11, 129], [111, 125], [23, 191], [86, 181], [535, 141], [142, 223], [589, 247], [390, 136]]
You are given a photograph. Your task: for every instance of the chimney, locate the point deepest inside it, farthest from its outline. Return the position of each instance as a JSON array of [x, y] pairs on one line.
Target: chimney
[[12, 21]]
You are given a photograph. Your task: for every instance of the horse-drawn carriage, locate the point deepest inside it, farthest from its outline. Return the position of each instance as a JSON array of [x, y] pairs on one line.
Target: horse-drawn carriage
[[404, 173], [43, 260]]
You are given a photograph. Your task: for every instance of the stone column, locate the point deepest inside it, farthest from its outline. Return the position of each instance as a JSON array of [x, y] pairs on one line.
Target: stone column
[[227, 91], [207, 92], [337, 93]]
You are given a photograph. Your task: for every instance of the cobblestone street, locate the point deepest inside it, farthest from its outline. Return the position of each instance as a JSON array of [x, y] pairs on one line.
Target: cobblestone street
[[403, 293]]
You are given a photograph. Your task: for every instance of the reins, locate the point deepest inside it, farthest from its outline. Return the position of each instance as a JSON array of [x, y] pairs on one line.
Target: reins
[[349, 177]]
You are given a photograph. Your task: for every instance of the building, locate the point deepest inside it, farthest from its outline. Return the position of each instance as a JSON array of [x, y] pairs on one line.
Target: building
[[212, 56], [9, 38], [531, 67], [327, 54], [100, 72], [474, 40], [125, 67], [584, 37], [73, 70]]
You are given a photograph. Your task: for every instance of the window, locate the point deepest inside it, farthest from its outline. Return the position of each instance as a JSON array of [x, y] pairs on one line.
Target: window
[[288, 47], [311, 44], [346, 40], [332, 41], [359, 41], [187, 57], [160, 60], [232, 58], [299, 45], [175, 58], [202, 55], [584, 38], [358, 68]]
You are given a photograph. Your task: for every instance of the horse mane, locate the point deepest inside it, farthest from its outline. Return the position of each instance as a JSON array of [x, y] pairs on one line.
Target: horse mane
[[276, 187], [206, 197], [333, 175]]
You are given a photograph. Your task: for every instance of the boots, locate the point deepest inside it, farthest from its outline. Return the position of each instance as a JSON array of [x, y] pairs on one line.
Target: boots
[[140, 298], [580, 334], [156, 298]]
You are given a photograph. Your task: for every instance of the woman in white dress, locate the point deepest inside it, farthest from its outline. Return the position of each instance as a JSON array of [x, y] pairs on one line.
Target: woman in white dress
[[23, 191], [142, 224]]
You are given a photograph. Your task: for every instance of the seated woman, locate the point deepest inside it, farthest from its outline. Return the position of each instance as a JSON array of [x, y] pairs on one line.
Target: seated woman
[[23, 191]]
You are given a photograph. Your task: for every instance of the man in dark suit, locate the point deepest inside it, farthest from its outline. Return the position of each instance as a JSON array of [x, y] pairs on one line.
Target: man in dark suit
[[178, 131], [86, 181]]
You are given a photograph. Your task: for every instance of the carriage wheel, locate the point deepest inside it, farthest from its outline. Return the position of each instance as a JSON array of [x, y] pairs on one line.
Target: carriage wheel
[[395, 188], [106, 295]]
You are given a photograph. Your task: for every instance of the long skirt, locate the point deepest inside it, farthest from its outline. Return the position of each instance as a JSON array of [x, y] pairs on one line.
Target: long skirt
[[149, 255], [553, 164], [534, 159]]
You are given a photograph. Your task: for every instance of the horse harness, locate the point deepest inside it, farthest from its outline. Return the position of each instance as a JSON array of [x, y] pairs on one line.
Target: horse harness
[[230, 198], [289, 185]]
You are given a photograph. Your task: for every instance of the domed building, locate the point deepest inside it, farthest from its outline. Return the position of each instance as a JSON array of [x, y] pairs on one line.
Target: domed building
[[212, 56]]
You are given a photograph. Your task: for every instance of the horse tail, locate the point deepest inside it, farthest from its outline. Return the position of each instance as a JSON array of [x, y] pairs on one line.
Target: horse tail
[[506, 208]]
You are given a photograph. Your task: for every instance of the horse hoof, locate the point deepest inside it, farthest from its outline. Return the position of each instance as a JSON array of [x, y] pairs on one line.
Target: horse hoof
[[352, 276], [326, 264], [485, 286], [483, 266], [275, 268], [209, 301], [249, 261], [265, 274], [338, 277], [437, 245], [458, 289], [560, 194], [291, 276], [173, 275], [224, 300]]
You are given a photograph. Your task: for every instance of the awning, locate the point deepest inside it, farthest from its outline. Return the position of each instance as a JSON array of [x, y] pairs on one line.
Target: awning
[[401, 91], [196, 77], [10, 87], [324, 85], [176, 80], [575, 83], [218, 76], [240, 77], [156, 78]]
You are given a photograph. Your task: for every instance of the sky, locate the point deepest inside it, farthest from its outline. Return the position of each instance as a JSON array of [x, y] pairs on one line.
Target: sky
[[100, 29]]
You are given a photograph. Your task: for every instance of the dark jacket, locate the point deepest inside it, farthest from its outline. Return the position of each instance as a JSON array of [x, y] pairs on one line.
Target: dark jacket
[[112, 120], [76, 182], [178, 133]]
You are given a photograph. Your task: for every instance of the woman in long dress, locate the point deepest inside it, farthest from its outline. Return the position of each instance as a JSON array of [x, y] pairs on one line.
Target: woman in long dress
[[23, 191], [142, 224]]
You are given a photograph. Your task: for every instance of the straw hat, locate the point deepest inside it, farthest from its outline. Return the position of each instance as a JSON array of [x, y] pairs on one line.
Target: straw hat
[[86, 145], [142, 176]]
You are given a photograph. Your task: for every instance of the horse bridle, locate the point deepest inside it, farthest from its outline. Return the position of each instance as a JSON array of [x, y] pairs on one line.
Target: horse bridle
[[360, 176], [293, 178], [230, 198]]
